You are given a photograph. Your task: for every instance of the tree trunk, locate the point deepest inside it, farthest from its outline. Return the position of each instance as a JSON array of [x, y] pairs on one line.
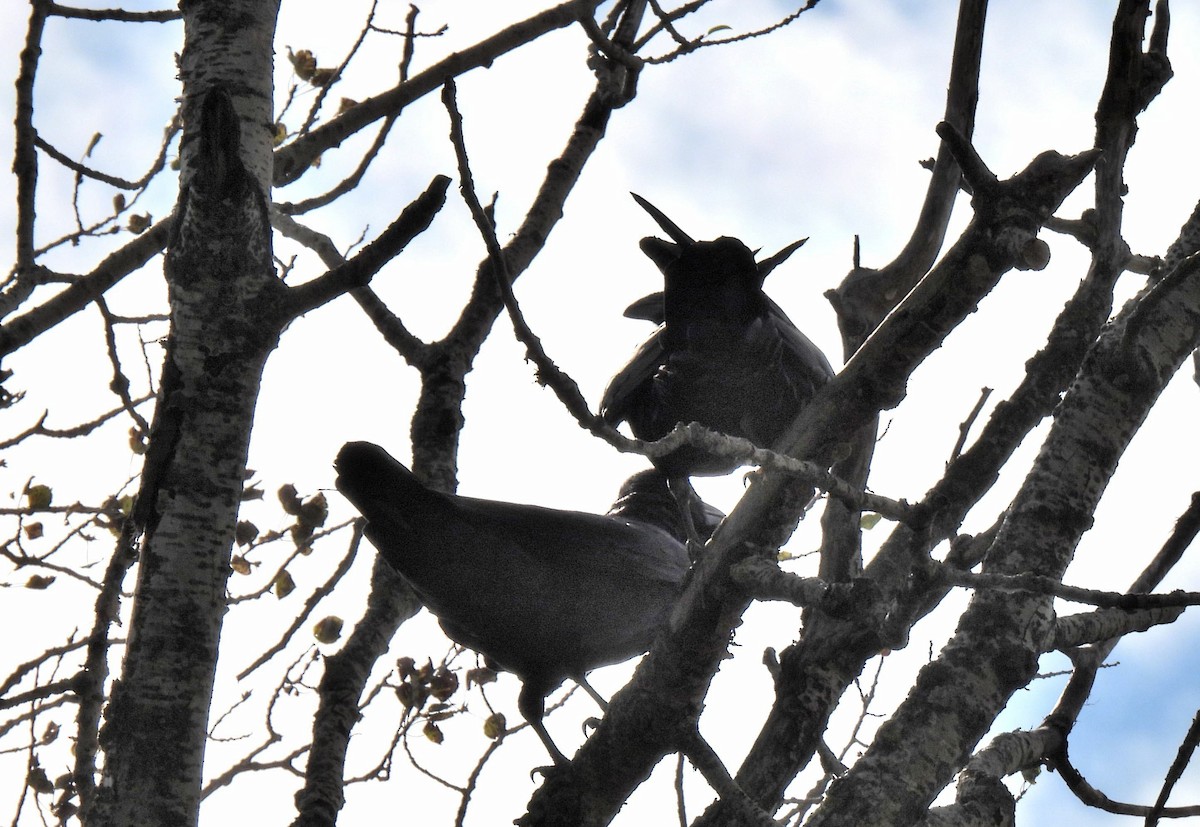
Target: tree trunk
[[221, 280]]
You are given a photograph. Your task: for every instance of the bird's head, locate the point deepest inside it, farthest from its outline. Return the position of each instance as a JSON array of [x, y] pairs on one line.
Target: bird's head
[[716, 280], [713, 280]]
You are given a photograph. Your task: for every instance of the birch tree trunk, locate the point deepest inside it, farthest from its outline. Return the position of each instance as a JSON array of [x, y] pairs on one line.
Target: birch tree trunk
[[221, 279]]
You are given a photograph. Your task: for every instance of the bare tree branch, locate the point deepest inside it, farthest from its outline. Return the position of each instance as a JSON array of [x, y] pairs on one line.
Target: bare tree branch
[[22, 330], [122, 15], [357, 271], [292, 160]]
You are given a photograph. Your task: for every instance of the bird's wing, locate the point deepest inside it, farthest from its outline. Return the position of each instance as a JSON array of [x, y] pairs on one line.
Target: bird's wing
[[633, 380], [551, 539], [560, 592], [799, 347]]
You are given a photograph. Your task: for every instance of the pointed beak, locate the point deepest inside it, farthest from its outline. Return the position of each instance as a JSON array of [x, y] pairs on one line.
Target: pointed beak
[[668, 226], [648, 308], [768, 264]]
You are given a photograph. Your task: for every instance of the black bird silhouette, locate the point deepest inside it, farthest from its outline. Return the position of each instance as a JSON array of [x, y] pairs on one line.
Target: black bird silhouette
[[545, 594], [725, 355]]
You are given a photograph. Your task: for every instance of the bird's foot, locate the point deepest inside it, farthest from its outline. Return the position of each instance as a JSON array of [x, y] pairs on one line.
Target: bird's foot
[[548, 770]]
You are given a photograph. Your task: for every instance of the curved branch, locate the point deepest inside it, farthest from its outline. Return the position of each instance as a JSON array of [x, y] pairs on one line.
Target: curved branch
[[866, 295]]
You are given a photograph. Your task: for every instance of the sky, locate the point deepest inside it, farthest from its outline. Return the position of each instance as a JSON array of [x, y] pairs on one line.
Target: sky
[[816, 131]]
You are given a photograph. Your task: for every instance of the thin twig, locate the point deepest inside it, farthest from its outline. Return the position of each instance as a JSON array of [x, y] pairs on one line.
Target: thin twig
[[964, 427], [40, 429], [319, 594], [120, 382], [78, 168], [703, 41], [25, 668], [473, 780], [348, 183], [549, 373], [1182, 758], [323, 89], [296, 158], [1040, 584]]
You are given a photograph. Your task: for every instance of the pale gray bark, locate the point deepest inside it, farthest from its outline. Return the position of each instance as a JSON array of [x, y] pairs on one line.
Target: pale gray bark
[[228, 308], [995, 649], [220, 275]]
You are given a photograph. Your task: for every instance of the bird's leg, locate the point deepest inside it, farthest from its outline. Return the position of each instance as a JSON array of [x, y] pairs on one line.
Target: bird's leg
[[532, 705], [597, 697], [600, 700], [681, 490]]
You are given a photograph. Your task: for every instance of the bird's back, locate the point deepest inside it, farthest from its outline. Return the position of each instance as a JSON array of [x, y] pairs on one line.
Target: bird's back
[[592, 590]]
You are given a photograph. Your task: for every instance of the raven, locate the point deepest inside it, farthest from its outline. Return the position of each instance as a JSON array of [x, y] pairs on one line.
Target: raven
[[725, 355], [542, 593]]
